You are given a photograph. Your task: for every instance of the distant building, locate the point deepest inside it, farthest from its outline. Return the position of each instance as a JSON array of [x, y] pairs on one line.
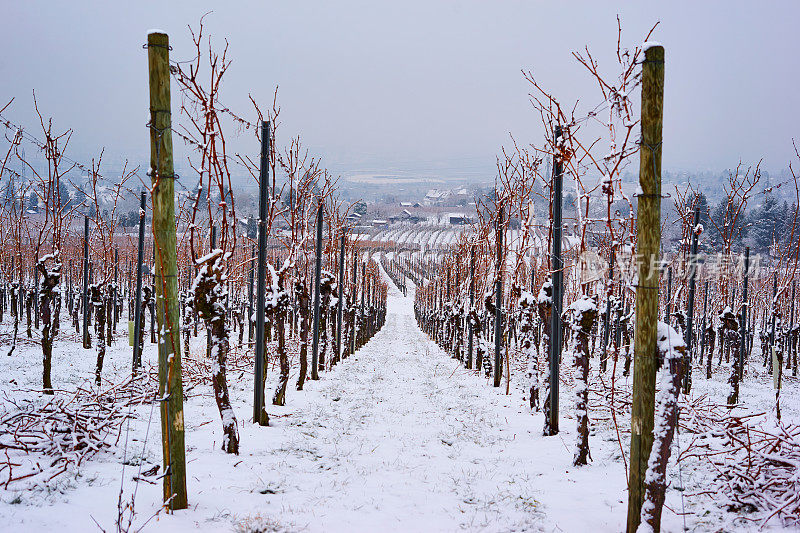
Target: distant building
[[454, 197], [360, 230], [436, 197], [353, 218], [406, 216], [459, 219]]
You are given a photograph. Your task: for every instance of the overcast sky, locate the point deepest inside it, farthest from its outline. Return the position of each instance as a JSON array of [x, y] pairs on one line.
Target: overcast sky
[[413, 84]]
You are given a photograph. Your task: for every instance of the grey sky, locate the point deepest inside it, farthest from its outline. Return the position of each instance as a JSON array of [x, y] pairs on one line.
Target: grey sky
[[415, 84]]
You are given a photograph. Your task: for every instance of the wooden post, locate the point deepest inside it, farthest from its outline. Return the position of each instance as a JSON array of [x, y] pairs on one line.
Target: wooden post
[[317, 274], [259, 413], [166, 269], [648, 244]]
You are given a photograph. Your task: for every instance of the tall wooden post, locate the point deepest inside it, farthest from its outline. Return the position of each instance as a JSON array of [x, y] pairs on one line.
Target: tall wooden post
[[317, 274], [648, 244], [166, 269], [259, 413]]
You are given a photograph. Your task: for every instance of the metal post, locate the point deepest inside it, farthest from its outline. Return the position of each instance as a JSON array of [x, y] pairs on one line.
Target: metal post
[[137, 306], [498, 314], [791, 354], [772, 320], [687, 335], [607, 317], [259, 413], [250, 298], [557, 279], [743, 318], [87, 341], [212, 245], [317, 274], [667, 309], [339, 303], [470, 332], [115, 293], [352, 347], [362, 329]]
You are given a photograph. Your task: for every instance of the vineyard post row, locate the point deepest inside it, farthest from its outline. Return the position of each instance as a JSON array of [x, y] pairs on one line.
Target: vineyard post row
[[442, 319]]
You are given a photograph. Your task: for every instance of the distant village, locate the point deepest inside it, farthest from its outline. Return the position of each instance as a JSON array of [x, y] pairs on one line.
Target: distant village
[[455, 207]]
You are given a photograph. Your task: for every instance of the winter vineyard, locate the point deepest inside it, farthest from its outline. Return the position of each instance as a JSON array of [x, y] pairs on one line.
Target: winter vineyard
[[433, 379]]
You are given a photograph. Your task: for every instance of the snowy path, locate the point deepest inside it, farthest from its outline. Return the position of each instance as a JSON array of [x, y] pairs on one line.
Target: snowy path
[[401, 438], [398, 437], [412, 447]]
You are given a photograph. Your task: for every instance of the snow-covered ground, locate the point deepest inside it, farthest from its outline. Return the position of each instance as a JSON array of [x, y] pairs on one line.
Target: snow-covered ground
[[398, 437]]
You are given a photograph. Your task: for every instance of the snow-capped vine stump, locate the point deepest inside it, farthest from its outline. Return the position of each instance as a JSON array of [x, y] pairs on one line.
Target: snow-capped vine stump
[[98, 303], [581, 317], [276, 309], [672, 349], [209, 297], [49, 309], [527, 305], [327, 286], [303, 299]]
